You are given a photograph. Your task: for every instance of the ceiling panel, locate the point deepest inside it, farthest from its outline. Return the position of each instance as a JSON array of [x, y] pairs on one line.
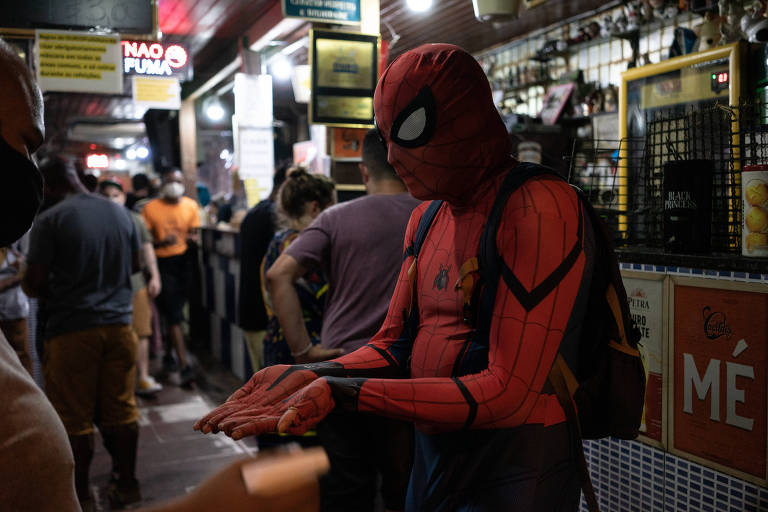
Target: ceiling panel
[[453, 21]]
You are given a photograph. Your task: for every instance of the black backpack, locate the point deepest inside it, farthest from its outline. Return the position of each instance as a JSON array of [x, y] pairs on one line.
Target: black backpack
[[609, 387]]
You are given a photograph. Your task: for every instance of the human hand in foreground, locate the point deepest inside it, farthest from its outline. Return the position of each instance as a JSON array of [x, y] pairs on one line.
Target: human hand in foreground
[[278, 482], [295, 415], [266, 388]]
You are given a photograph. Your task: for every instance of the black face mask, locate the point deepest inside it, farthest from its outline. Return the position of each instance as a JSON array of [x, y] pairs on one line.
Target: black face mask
[[21, 193]]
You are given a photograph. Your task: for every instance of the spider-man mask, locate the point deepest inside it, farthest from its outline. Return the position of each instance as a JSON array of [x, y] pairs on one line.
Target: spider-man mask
[[444, 135]]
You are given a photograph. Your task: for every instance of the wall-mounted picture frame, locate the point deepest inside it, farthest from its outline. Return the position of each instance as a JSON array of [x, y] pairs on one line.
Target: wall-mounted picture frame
[[555, 101], [718, 353], [344, 70], [347, 144]]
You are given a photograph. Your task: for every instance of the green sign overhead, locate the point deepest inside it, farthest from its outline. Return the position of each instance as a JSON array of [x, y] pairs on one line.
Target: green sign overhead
[[327, 11]]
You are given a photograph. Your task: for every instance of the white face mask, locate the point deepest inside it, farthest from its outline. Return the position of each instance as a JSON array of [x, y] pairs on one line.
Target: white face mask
[[173, 190]]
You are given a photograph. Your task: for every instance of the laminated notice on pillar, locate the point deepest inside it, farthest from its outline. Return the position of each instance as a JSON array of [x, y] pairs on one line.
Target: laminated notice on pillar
[[79, 61], [253, 100], [254, 148], [719, 386], [154, 92]]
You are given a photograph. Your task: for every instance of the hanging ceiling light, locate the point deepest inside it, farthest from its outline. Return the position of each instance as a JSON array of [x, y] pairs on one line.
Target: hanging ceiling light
[[213, 108], [142, 152], [280, 67], [419, 5], [496, 10]]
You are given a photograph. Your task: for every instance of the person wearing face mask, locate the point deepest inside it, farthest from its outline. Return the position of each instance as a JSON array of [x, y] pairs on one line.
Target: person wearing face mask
[[173, 219], [143, 291], [36, 464]]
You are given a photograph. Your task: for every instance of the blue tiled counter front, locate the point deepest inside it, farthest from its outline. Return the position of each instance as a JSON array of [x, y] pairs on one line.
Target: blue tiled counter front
[[636, 477], [220, 269]]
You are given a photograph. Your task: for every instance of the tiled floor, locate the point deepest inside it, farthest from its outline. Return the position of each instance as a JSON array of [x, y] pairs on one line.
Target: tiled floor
[[172, 457]]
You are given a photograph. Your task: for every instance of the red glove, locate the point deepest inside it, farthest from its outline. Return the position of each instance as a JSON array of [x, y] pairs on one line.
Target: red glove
[[267, 387], [299, 413]]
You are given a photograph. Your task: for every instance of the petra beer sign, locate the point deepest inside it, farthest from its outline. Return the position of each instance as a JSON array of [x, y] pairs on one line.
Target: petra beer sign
[[720, 341], [646, 305]]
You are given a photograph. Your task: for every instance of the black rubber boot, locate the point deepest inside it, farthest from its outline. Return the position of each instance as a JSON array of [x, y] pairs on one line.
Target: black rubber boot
[[82, 451], [121, 442]]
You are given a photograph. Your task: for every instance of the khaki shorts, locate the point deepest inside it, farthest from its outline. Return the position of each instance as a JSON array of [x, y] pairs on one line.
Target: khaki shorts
[[142, 314], [89, 377]]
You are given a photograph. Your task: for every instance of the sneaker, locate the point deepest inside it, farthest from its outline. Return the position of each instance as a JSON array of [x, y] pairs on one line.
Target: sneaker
[[188, 374], [148, 387], [123, 494]]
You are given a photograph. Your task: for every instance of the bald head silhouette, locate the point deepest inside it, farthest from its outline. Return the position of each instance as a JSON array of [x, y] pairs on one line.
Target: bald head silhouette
[[21, 104], [22, 132]]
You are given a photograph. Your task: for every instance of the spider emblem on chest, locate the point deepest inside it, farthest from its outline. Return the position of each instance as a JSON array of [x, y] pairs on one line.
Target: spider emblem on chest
[[441, 279]]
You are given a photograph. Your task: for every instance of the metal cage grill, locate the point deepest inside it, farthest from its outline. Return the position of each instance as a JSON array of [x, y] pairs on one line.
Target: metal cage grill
[[624, 179]]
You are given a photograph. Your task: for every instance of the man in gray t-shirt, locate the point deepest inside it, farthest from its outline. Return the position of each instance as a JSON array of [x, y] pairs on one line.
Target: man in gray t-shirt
[[81, 256], [85, 241], [359, 247]]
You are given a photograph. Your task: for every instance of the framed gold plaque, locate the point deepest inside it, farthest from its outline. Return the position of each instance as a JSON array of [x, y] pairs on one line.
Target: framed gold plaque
[[344, 70]]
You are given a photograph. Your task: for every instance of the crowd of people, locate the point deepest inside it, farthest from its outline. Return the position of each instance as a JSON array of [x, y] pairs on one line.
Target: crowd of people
[[358, 316]]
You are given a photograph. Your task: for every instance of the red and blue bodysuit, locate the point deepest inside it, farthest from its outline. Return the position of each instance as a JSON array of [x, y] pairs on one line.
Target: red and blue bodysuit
[[490, 433]]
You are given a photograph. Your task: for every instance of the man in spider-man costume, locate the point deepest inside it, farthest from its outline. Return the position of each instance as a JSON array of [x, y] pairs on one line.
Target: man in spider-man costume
[[490, 433]]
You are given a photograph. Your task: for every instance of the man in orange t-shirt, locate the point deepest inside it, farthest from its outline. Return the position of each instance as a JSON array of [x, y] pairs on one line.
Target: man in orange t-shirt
[[173, 219]]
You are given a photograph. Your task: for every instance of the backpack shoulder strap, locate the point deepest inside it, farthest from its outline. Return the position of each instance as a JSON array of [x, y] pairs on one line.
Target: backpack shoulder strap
[[488, 252], [411, 315], [421, 231], [489, 262]]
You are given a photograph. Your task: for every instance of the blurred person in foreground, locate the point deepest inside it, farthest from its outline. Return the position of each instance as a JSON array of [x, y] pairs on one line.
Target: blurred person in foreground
[[173, 219], [36, 465], [340, 242], [82, 253], [143, 291], [301, 198], [256, 231]]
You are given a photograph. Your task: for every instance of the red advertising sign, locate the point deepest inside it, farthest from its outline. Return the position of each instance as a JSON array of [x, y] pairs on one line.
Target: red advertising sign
[[646, 305], [720, 356]]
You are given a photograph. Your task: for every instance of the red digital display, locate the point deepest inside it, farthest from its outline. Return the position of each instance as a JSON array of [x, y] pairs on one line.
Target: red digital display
[[722, 78]]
